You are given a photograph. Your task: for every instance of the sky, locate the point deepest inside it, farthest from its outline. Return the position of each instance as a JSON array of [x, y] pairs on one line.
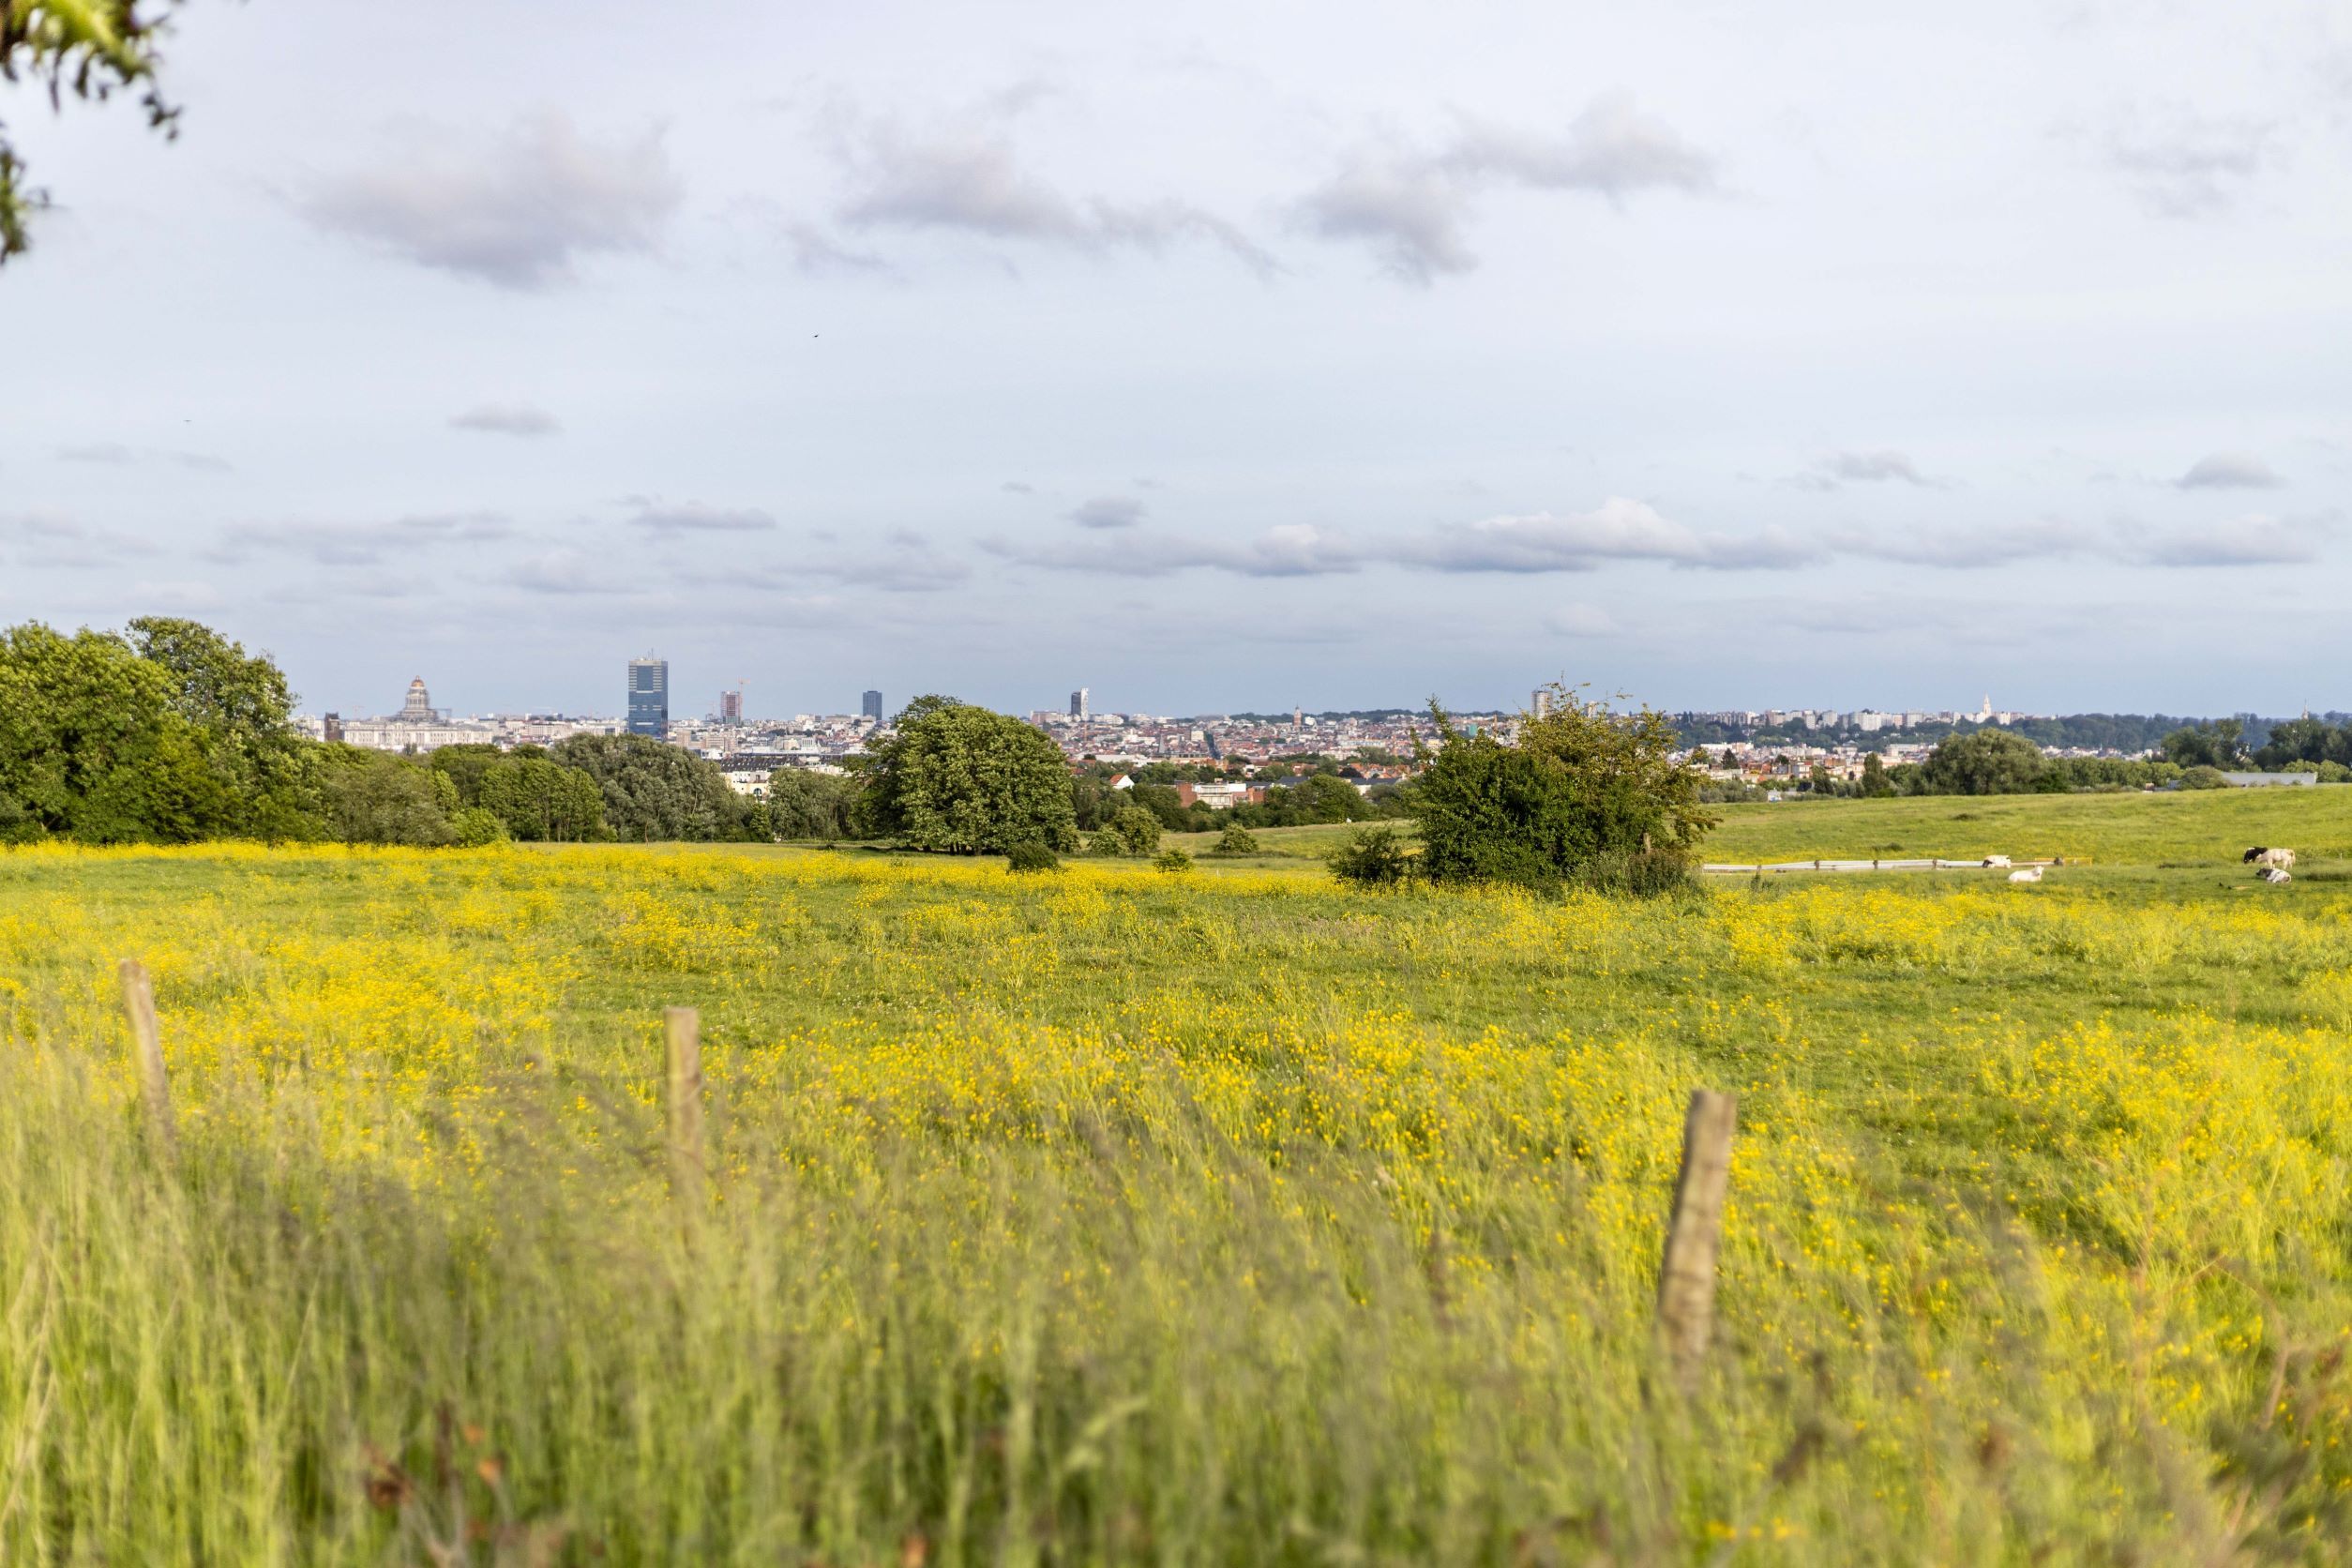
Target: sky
[[1213, 357]]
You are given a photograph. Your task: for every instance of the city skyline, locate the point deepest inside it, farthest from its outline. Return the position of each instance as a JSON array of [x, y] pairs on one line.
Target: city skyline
[[1712, 356]]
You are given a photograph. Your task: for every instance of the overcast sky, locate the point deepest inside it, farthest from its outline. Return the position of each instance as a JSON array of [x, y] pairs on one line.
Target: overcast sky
[[1213, 356]]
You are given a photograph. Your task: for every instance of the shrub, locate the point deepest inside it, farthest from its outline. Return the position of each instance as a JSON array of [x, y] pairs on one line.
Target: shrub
[[1372, 857], [1030, 857], [1582, 781], [1236, 840], [2333, 772], [475, 828], [1172, 861], [1136, 830], [2203, 777]]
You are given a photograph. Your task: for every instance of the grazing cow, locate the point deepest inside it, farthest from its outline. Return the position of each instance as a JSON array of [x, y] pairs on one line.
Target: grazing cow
[[2032, 873], [2259, 856], [2275, 874], [1996, 862]]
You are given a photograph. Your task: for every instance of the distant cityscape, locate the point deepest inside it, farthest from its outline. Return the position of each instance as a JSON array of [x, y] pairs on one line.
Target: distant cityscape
[[1761, 747]]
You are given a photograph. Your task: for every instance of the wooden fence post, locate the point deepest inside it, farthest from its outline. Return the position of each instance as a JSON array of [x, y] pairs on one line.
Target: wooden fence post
[[682, 1029], [147, 1048], [1686, 1275]]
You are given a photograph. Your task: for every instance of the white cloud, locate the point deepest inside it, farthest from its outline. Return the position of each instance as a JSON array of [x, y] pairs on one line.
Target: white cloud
[[2182, 164], [1580, 620], [516, 209], [1862, 468], [357, 544], [2255, 539]]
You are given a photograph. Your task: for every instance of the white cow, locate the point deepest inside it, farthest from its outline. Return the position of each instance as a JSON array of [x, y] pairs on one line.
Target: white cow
[[2032, 873], [1996, 862], [2269, 858], [2275, 874]]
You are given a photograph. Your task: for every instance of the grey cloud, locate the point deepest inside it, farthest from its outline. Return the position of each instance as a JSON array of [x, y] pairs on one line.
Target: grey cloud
[[1296, 549], [562, 572], [1862, 468], [1618, 530], [516, 209], [1965, 549], [1018, 487], [817, 253], [2181, 164], [1408, 210], [965, 177], [365, 544], [693, 516], [1612, 149], [1410, 207], [911, 566], [2255, 539], [51, 540], [113, 454], [506, 420], [1109, 512], [1580, 620], [2228, 471]]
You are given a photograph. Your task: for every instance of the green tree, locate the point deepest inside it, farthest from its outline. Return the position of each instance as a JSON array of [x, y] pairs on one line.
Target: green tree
[[539, 799], [806, 805], [654, 792], [2300, 743], [1985, 762], [92, 49], [243, 705], [1583, 782], [964, 780], [2212, 743], [468, 764], [1875, 782], [1136, 831], [1236, 840], [374, 797], [94, 746], [1372, 857]]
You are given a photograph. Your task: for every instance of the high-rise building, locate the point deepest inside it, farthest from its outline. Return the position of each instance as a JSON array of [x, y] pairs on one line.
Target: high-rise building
[[331, 728], [649, 697], [1541, 701], [418, 709], [872, 708], [1078, 703], [731, 707]]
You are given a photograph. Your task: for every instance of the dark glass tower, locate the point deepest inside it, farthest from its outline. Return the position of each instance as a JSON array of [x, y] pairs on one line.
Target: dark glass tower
[[873, 706], [649, 697]]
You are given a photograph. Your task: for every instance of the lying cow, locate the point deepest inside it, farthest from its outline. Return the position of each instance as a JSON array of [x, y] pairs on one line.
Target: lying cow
[[2259, 856], [1996, 862], [2275, 874], [2032, 873]]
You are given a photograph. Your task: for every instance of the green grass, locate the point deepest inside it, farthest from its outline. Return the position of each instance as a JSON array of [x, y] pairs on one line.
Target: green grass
[[1122, 1216]]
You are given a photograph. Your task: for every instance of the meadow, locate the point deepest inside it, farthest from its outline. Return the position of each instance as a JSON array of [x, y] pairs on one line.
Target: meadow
[[1117, 1215]]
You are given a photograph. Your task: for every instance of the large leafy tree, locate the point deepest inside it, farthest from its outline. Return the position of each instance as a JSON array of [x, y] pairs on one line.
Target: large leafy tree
[[804, 805], [1584, 784], [92, 746], [242, 704], [654, 792], [376, 797], [539, 799], [965, 780], [2217, 743], [91, 49], [1986, 762]]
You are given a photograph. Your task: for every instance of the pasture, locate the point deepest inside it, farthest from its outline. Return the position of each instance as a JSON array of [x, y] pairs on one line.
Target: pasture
[[1115, 1215]]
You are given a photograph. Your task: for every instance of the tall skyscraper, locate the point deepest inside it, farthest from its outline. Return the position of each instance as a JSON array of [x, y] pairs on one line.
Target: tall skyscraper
[[1541, 701], [1078, 703], [873, 706], [731, 707], [649, 697]]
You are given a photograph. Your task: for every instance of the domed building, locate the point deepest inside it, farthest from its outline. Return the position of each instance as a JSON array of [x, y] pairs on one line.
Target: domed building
[[418, 709], [419, 726]]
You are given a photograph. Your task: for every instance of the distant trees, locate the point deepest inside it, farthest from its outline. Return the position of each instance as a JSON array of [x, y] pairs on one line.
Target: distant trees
[[1586, 792], [803, 805], [654, 792], [536, 799], [375, 797], [1984, 763], [2214, 743], [964, 780], [2305, 742]]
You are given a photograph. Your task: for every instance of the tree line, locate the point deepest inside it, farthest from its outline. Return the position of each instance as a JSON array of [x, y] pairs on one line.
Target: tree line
[[168, 732]]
